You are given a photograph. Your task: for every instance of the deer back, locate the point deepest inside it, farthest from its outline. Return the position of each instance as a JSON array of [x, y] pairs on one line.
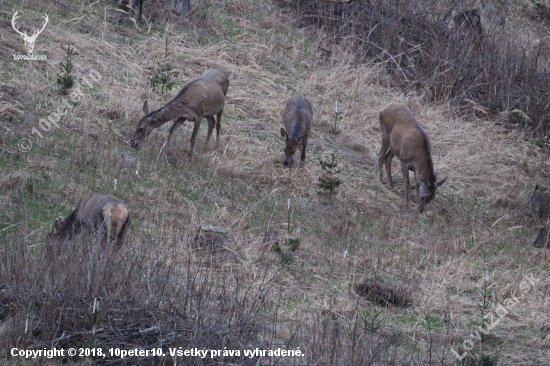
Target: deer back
[[199, 98], [98, 207], [218, 77], [297, 117]]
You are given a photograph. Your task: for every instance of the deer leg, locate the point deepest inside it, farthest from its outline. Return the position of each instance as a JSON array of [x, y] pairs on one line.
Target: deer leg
[[196, 127], [303, 150], [140, 9], [382, 154], [539, 241], [122, 233], [120, 239], [416, 186], [218, 125], [405, 170], [101, 233], [543, 237], [211, 124], [387, 159], [176, 124]]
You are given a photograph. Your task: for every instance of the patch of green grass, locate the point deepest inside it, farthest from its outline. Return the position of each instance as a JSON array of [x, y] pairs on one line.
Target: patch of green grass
[[231, 27], [294, 302], [405, 317], [535, 141], [34, 203], [433, 323]]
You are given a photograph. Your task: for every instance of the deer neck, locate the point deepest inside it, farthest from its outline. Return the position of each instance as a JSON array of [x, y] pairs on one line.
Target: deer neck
[[426, 169], [170, 112]]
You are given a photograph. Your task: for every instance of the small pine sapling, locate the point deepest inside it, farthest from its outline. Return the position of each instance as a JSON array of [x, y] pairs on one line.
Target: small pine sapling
[[290, 245], [329, 181], [162, 74], [65, 78]]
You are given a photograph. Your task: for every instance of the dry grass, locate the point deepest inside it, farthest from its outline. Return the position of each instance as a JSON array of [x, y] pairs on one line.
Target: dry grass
[[243, 297], [483, 58]]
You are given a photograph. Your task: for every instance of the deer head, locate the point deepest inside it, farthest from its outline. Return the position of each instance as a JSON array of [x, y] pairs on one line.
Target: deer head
[[29, 40]]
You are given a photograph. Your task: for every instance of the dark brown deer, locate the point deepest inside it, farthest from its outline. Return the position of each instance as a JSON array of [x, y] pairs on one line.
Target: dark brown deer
[[403, 137], [198, 99], [540, 204], [297, 122], [99, 214]]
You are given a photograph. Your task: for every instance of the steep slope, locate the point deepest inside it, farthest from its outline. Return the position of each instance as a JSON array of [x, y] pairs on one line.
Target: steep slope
[[473, 244]]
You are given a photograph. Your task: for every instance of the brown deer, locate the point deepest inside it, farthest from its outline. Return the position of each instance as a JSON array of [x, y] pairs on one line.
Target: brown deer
[[99, 214], [403, 137], [297, 122], [203, 97], [540, 204]]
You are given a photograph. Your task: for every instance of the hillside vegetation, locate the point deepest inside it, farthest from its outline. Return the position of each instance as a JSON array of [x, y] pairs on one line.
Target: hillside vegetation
[[485, 58], [370, 282]]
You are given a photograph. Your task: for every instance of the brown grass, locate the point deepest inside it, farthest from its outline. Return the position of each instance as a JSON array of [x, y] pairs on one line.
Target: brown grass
[[160, 292]]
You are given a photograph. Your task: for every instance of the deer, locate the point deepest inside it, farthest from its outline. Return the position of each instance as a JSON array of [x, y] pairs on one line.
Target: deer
[[29, 40], [198, 99], [540, 205], [98, 214], [297, 125], [403, 137]]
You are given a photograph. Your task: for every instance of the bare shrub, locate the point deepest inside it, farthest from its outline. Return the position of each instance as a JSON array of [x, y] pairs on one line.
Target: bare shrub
[[139, 297]]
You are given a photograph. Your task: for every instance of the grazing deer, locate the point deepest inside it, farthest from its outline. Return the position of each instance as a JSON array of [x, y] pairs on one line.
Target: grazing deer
[[29, 40], [297, 122], [99, 214], [540, 204], [403, 137], [203, 97]]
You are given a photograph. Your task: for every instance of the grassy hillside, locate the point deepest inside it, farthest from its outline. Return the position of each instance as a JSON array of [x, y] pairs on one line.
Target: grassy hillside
[[441, 271]]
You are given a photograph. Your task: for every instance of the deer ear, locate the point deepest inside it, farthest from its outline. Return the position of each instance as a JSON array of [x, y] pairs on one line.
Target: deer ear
[[57, 225], [146, 107], [283, 132], [441, 182], [156, 118]]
